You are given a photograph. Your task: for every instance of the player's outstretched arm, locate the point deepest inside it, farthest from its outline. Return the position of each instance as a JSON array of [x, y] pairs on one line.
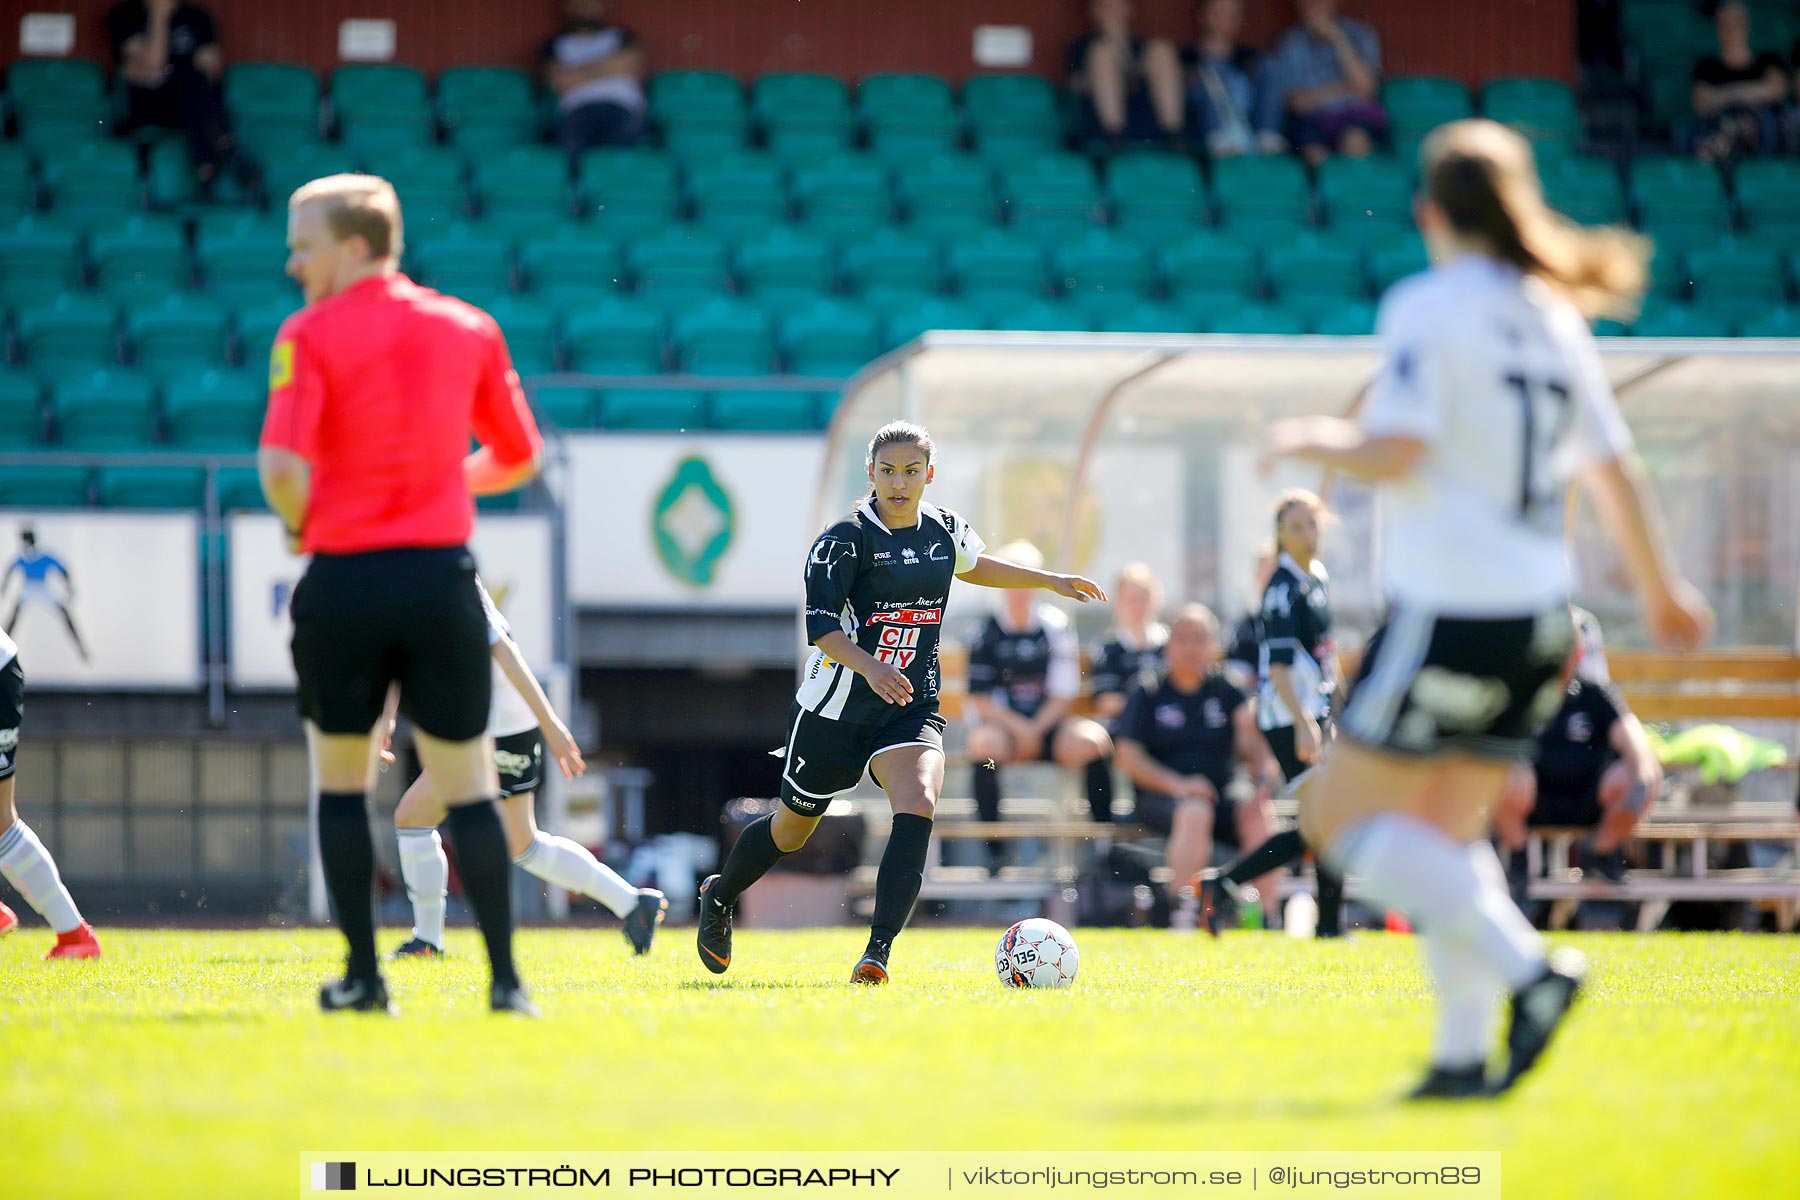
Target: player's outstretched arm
[[1677, 614], [557, 739], [1344, 447], [989, 571]]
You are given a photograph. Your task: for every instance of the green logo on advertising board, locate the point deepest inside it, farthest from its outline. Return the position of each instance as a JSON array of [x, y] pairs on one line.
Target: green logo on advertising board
[[693, 523]]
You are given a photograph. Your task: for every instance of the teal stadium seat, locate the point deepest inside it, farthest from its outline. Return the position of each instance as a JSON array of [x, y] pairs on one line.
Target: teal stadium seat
[[1035, 316], [1051, 196], [241, 490], [1311, 267], [21, 410], [1670, 246], [738, 195], [1674, 191], [723, 337], [92, 183], [58, 102], [1355, 319], [301, 163], [1260, 320], [105, 409], [1543, 110], [908, 115], [763, 411], [38, 256], [630, 192], [1781, 322], [1366, 197], [701, 114], [181, 332], [377, 87], [948, 195], [615, 336], [1666, 319], [1417, 104], [831, 337], [465, 260], [1738, 281], [1154, 196], [256, 330], [893, 260], [1587, 190], [1101, 262], [1009, 115], [905, 319], [272, 104], [486, 108], [1140, 316], [679, 264], [1392, 260], [524, 188], [564, 406], [1261, 195], [845, 196], [151, 486], [242, 261], [141, 259], [1768, 195], [998, 263], [802, 115], [169, 182], [529, 325], [70, 330], [35, 486], [215, 409], [784, 266], [574, 260], [1211, 264], [431, 184], [18, 181], [651, 408]]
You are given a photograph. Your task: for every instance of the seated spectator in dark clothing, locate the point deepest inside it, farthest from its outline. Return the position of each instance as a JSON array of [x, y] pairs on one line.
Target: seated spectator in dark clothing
[[596, 70], [1737, 93], [1182, 733], [1593, 768], [168, 55], [1024, 673], [1131, 85], [1329, 70], [1132, 646], [1236, 107]]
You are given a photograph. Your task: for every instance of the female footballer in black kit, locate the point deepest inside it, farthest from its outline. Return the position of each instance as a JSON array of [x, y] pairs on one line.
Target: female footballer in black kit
[[876, 585]]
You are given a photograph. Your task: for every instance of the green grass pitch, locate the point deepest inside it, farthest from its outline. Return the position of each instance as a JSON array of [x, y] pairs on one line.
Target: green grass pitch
[[196, 1061]]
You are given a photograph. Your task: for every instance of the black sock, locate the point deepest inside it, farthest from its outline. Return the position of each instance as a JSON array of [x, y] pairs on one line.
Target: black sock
[[749, 860], [902, 871], [1099, 789], [348, 849], [1272, 855], [486, 870], [1331, 900], [987, 802]]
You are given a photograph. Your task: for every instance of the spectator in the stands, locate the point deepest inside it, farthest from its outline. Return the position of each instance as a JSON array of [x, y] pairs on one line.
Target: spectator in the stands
[[1738, 93], [596, 69], [1024, 676], [1130, 86], [168, 55], [1132, 646], [1236, 106], [1183, 732], [1329, 70]]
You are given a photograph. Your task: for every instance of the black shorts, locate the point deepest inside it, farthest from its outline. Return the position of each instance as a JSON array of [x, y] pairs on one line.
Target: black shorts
[[1578, 809], [1157, 811], [363, 621], [1441, 685], [12, 715], [1047, 746], [1281, 745], [827, 758], [519, 757]]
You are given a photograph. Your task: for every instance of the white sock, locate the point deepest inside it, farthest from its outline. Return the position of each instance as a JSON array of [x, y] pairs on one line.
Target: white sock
[[426, 873], [568, 865], [29, 867], [1468, 1003], [1410, 865]]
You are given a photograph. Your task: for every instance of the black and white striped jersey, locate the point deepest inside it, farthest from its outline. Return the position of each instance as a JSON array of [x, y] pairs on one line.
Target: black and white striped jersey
[[885, 588], [1296, 634]]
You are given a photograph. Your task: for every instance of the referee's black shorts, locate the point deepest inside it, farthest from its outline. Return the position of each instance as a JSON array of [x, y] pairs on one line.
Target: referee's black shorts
[[364, 621]]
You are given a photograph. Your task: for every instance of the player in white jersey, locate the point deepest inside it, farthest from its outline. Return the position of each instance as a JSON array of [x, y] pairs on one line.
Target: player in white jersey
[[24, 861], [1491, 400], [521, 722]]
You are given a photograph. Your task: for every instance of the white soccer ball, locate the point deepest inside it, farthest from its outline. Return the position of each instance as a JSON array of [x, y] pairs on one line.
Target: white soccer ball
[[1036, 953]]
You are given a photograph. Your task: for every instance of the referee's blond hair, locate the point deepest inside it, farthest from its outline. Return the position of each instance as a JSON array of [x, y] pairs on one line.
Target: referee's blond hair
[[364, 206]]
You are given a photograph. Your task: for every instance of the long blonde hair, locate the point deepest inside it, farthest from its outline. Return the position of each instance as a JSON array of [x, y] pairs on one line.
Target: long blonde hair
[[1481, 174]]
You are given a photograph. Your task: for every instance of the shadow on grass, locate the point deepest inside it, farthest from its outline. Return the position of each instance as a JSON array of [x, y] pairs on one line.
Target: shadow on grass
[[757, 985]]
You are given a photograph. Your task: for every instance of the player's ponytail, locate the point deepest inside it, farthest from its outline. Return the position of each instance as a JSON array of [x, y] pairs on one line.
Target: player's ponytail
[[1481, 175]]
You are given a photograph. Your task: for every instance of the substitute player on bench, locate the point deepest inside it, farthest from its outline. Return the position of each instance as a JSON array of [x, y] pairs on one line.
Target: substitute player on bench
[[374, 389]]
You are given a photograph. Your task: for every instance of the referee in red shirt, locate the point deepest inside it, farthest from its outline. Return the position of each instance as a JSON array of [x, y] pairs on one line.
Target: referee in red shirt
[[374, 389]]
